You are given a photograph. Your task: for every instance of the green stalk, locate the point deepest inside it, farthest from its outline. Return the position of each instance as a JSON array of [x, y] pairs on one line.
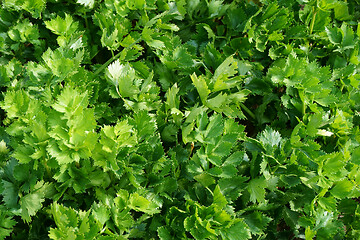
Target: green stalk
[[100, 69], [301, 93], [313, 20], [117, 90], [47, 169], [194, 22], [247, 110]]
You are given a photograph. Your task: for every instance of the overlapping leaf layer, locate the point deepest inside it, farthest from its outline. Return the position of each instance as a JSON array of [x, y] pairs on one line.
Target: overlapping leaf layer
[[179, 119]]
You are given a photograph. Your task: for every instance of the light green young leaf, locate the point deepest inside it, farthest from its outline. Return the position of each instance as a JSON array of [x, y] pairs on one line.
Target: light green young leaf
[[224, 75], [63, 62], [122, 77], [270, 138], [35, 7], [62, 26], [71, 101], [87, 3], [172, 100], [342, 189], [219, 198], [15, 103], [201, 86]]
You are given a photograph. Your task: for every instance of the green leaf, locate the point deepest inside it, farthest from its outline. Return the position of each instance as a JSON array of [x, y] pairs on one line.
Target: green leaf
[[101, 212], [257, 222], [333, 165], [71, 101], [219, 199], [138, 202], [348, 36], [16, 103], [309, 233], [144, 124], [291, 217], [61, 153], [342, 12], [237, 231], [205, 179], [270, 138], [63, 62], [6, 224], [142, 204], [342, 122], [342, 189], [334, 35], [328, 203], [164, 233], [217, 103], [23, 154], [122, 77], [182, 58], [35, 7], [72, 224], [201, 87], [3, 148], [215, 127], [224, 75], [232, 187], [10, 194], [32, 202], [24, 31], [355, 157], [172, 100], [256, 188], [62, 26], [87, 3]]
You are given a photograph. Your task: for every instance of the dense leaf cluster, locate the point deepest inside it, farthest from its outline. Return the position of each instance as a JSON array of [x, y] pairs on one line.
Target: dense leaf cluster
[[179, 119]]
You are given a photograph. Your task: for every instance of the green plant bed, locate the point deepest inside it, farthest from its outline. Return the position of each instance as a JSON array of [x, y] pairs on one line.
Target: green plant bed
[[199, 119]]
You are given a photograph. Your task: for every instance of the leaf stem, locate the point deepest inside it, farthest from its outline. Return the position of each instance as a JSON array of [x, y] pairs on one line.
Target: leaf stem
[[313, 20], [47, 169], [117, 90], [100, 69], [247, 110], [194, 22]]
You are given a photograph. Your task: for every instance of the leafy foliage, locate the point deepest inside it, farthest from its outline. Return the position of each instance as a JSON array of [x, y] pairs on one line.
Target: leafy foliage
[[179, 119]]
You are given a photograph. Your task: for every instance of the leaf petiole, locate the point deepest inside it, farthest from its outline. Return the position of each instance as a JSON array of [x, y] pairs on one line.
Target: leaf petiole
[[247, 110], [102, 68]]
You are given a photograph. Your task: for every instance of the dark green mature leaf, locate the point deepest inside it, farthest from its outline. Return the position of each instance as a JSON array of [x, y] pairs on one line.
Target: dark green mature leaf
[[238, 231], [9, 193], [32, 202], [256, 188], [6, 224], [257, 222], [163, 233]]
